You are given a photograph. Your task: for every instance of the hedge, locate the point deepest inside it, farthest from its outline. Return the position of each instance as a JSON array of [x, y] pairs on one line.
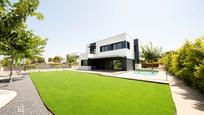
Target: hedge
[[187, 63]]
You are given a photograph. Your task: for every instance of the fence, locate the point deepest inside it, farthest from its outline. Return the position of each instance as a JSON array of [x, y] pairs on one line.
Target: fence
[[38, 66], [150, 65]]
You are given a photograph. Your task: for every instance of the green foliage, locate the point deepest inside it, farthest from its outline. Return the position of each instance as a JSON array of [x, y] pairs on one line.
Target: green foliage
[[25, 45], [117, 64], [199, 73], [50, 59], [37, 60], [166, 59], [16, 40], [151, 53], [40, 60], [71, 59], [6, 62], [13, 16], [27, 62], [187, 63], [57, 59]]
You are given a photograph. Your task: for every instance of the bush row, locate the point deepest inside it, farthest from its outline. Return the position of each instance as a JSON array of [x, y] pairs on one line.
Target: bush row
[[187, 63]]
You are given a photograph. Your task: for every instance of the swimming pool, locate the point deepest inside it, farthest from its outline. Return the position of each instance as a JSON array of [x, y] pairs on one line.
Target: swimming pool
[[141, 73]]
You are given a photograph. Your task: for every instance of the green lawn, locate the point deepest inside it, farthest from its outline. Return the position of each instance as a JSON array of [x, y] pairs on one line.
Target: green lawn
[[75, 93]]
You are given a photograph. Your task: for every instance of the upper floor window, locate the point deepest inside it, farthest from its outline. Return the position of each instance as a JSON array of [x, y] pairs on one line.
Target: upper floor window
[[106, 48], [92, 51], [115, 46], [128, 45], [92, 48]]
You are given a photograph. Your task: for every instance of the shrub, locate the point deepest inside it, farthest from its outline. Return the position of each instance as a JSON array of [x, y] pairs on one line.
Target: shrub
[[187, 63], [199, 74], [151, 53]]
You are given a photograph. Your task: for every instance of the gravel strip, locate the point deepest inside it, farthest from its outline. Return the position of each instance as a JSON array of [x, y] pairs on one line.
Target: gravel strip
[[27, 101]]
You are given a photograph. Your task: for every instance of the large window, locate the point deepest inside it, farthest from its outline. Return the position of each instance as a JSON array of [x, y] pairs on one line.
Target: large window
[[115, 46], [92, 48], [106, 48], [92, 51], [117, 64], [84, 62]]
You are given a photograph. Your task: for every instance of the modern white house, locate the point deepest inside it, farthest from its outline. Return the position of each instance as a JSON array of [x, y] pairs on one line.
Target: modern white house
[[119, 52]]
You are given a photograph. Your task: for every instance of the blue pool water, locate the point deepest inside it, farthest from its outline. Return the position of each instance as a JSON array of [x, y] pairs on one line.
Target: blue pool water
[[141, 73], [146, 73]]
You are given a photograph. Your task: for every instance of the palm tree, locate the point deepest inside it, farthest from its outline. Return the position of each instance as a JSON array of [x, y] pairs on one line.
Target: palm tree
[[151, 53]]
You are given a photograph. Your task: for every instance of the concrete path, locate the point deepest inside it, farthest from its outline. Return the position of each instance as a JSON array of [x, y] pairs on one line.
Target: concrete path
[[27, 102], [188, 101], [160, 78], [6, 96]]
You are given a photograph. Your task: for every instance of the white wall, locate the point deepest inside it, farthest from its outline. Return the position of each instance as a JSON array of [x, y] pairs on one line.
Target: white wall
[[111, 40], [83, 56], [87, 68], [129, 53], [1, 69]]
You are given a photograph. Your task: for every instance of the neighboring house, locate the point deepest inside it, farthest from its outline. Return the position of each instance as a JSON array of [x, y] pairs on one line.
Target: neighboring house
[[119, 52]]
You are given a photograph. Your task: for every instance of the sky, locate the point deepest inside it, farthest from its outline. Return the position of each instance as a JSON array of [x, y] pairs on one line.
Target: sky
[[70, 25]]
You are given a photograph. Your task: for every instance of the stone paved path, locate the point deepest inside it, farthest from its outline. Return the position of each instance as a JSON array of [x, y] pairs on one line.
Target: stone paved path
[[188, 101], [27, 101]]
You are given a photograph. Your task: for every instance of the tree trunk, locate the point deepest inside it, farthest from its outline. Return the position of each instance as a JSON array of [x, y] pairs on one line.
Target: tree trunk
[[11, 70], [152, 68], [70, 65], [24, 67], [19, 70]]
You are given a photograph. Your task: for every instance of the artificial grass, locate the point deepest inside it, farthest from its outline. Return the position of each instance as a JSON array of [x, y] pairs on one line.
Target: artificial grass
[[76, 93]]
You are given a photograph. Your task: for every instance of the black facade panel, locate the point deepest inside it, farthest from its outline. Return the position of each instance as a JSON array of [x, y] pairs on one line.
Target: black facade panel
[[84, 62], [108, 63], [92, 48], [136, 50], [124, 64]]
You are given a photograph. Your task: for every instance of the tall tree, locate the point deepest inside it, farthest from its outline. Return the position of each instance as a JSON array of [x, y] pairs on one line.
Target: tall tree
[[151, 53], [57, 59], [37, 60], [187, 63], [16, 41], [71, 59], [5, 61], [40, 59], [50, 59]]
